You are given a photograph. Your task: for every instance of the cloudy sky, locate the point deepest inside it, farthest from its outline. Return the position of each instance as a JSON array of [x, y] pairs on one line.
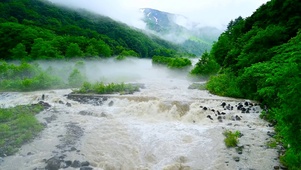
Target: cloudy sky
[[216, 13]]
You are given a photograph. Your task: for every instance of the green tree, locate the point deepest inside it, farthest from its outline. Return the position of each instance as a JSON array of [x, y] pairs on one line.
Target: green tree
[[42, 49], [73, 50], [19, 52], [205, 66]]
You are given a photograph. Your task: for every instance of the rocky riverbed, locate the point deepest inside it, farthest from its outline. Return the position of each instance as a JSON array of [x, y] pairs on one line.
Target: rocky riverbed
[[143, 132]]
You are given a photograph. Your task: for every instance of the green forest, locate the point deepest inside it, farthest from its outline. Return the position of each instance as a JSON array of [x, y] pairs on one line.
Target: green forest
[[259, 58], [37, 29]]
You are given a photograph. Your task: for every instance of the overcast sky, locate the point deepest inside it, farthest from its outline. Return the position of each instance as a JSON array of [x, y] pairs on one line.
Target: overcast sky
[[216, 13]]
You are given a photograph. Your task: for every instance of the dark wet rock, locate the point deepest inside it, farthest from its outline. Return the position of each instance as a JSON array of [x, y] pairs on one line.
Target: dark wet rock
[[271, 134], [276, 167], [220, 118], [283, 167], [95, 100], [51, 118], [53, 163], [73, 149], [237, 118], [111, 103], [61, 102], [85, 168], [209, 117], [205, 108], [236, 158], [68, 104], [223, 104], [239, 149], [62, 156], [44, 104], [43, 96], [75, 164], [72, 136], [68, 163], [29, 153], [85, 113], [85, 163]]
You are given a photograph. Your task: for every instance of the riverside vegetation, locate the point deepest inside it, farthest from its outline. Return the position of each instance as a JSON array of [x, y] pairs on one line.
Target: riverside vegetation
[[260, 59], [18, 125]]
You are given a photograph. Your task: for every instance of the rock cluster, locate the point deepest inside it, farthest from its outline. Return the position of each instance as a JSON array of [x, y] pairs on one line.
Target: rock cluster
[[88, 99], [58, 162], [220, 115]]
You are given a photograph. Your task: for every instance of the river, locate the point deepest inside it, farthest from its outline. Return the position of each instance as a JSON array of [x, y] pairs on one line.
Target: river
[[164, 126]]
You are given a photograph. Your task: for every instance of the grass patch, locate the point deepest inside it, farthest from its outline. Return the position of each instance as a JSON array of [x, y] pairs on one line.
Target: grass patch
[[18, 125], [111, 88], [272, 144], [231, 139]]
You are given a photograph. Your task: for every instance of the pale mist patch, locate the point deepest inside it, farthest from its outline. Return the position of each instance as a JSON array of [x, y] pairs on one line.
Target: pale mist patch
[[111, 70]]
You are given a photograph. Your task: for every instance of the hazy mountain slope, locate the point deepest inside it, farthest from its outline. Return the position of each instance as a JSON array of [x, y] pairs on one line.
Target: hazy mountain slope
[[179, 29], [45, 20]]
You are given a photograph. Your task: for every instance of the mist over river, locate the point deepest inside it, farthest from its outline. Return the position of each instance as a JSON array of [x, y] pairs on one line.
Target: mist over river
[[164, 126]]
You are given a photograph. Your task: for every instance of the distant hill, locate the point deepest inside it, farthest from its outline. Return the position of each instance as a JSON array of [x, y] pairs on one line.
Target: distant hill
[[179, 29], [39, 29]]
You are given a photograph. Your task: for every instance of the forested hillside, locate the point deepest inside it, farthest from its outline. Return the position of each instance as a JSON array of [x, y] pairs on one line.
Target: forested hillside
[[37, 29], [260, 57]]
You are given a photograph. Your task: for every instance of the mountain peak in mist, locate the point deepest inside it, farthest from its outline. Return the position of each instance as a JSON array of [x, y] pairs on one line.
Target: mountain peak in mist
[[178, 28]]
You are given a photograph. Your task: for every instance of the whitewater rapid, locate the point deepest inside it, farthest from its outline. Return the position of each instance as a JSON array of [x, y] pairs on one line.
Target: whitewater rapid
[[160, 127]]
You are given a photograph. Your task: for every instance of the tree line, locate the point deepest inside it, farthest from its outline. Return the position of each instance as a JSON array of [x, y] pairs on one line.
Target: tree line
[[259, 58], [37, 29]]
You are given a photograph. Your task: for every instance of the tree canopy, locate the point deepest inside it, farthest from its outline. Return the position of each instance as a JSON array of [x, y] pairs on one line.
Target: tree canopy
[[260, 59], [48, 31]]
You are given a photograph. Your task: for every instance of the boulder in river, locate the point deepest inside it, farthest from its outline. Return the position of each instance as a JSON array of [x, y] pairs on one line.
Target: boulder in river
[[53, 163]]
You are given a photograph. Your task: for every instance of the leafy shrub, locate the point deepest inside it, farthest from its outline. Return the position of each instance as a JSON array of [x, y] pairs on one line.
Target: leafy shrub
[[101, 88], [231, 139], [224, 84]]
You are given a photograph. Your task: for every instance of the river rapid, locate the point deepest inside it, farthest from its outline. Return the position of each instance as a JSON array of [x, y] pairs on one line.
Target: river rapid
[[164, 126]]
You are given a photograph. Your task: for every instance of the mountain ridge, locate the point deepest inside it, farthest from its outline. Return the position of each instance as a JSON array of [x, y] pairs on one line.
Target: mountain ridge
[[179, 29]]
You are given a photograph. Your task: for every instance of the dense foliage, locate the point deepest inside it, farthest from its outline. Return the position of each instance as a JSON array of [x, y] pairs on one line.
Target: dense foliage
[[205, 66], [18, 125], [261, 58], [174, 63], [37, 29], [29, 77], [101, 88]]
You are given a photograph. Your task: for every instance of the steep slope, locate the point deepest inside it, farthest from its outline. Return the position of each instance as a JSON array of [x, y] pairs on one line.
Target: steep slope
[[179, 29], [261, 60], [22, 22]]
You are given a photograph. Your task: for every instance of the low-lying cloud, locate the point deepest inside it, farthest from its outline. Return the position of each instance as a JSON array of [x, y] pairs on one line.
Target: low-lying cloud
[[217, 13]]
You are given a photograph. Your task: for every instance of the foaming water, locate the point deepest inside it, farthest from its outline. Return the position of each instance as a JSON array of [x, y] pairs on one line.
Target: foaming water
[[160, 127]]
